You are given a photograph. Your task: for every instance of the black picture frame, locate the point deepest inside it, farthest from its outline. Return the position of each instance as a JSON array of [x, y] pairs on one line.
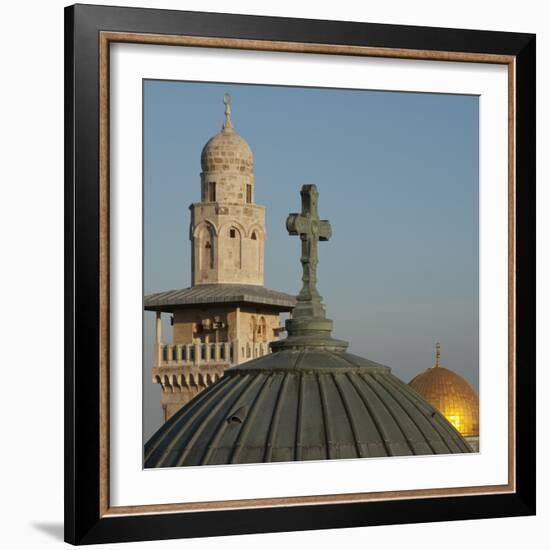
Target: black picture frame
[[84, 523]]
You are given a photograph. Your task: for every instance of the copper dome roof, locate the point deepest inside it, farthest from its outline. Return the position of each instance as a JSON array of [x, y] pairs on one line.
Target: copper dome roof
[[308, 400], [452, 395]]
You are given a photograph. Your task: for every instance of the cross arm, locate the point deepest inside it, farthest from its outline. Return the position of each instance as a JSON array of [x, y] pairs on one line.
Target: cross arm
[[325, 230], [297, 224]]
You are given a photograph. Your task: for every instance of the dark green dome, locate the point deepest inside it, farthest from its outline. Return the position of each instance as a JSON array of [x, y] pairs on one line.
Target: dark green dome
[[302, 405], [309, 400]]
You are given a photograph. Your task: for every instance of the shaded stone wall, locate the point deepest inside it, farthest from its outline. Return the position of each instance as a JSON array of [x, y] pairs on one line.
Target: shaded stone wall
[[225, 324], [172, 402]]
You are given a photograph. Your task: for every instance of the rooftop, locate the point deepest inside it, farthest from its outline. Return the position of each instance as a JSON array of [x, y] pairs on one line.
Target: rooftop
[[219, 293], [302, 405]]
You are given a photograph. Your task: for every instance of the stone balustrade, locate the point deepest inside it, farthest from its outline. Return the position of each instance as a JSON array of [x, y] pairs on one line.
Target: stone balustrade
[[184, 370], [195, 354], [204, 354]]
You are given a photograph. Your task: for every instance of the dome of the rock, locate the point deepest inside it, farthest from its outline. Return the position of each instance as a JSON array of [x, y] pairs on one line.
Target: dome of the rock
[[451, 394]]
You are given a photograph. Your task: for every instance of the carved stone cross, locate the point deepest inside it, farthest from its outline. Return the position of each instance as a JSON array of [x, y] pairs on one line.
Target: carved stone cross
[[311, 230], [308, 328]]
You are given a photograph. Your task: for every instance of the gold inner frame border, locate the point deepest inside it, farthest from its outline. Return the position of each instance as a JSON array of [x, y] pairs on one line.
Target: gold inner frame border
[[105, 40]]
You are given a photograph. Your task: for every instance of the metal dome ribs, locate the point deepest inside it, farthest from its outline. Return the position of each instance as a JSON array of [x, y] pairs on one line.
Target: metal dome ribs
[[310, 410]]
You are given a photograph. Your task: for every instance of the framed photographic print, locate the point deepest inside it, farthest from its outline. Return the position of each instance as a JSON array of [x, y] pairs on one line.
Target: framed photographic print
[[299, 274]]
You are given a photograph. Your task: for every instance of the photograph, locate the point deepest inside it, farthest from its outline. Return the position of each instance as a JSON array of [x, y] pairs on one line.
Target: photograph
[[310, 273], [299, 273]]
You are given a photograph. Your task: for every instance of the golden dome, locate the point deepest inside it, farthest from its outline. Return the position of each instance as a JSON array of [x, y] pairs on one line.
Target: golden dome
[[451, 394]]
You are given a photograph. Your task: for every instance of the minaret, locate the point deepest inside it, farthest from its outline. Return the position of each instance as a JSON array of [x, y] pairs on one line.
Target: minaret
[[227, 316], [227, 229]]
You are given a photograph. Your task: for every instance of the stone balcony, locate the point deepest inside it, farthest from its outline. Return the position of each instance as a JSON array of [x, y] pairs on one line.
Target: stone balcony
[[184, 366], [195, 354]]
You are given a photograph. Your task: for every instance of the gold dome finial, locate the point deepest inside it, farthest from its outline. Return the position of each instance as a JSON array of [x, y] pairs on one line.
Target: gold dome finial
[[437, 355], [227, 125]]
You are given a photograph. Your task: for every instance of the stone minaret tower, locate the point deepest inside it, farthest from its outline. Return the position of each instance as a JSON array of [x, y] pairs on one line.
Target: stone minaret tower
[[227, 316], [227, 229]]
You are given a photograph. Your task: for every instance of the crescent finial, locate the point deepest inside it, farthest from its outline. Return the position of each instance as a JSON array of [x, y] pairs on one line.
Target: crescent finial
[[227, 125]]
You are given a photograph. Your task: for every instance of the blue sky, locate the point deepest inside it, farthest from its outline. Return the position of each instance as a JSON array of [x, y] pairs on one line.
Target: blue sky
[[398, 179]]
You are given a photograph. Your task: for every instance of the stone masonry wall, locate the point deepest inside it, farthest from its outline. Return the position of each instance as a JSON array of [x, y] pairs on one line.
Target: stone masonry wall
[[227, 243]]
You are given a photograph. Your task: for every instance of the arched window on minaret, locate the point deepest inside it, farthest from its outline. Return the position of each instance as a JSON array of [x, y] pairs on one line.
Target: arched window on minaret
[[262, 329], [255, 251], [252, 332], [212, 191], [209, 254], [206, 249], [235, 247]]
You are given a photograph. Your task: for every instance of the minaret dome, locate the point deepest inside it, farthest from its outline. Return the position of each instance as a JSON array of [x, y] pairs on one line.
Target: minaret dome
[[227, 160]]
